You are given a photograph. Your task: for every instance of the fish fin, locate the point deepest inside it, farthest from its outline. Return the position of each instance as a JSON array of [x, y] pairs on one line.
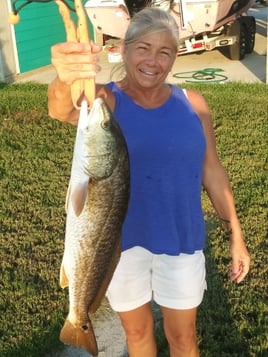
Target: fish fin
[[79, 195], [64, 281], [104, 286], [79, 337]]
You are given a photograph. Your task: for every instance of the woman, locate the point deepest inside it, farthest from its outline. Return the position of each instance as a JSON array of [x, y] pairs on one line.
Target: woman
[[172, 151]]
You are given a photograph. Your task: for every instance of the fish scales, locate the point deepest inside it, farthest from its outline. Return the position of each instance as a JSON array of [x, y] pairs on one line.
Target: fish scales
[[97, 202]]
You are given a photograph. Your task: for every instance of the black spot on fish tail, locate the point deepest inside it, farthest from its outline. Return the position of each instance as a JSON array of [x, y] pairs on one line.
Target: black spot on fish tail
[[82, 337]]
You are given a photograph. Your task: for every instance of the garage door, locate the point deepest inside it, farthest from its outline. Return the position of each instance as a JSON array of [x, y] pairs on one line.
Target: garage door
[[40, 27]]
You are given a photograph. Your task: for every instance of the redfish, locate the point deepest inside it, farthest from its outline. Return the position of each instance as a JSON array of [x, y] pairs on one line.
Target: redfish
[[96, 204]]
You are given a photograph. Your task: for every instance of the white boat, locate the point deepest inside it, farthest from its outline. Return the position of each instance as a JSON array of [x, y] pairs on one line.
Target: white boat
[[195, 17], [203, 24]]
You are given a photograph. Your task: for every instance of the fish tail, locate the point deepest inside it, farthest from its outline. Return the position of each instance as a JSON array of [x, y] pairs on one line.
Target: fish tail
[[82, 337]]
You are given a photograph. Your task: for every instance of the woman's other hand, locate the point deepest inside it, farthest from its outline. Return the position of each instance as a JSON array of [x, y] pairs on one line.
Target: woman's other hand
[[240, 260]]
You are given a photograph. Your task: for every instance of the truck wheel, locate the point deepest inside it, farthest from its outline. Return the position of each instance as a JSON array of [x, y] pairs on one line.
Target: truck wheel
[[250, 36], [237, 50]]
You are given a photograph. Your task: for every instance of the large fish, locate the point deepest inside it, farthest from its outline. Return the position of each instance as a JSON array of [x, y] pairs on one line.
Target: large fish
[[96, 205]]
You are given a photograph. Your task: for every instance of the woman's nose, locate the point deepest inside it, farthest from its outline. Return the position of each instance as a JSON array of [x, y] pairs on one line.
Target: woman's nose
[[151, 58]]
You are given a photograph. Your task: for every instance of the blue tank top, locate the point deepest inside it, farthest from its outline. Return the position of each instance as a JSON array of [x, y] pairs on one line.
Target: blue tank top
[[166, 150]]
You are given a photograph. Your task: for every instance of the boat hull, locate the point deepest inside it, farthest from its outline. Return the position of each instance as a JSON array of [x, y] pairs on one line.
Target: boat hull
[[112, 17]]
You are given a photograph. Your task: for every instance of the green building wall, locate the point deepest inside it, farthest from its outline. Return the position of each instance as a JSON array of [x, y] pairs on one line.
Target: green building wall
[[40, 27]]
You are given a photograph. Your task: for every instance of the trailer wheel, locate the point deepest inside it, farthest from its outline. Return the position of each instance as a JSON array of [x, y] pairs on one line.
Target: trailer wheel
[[250, 36], [238, 49]]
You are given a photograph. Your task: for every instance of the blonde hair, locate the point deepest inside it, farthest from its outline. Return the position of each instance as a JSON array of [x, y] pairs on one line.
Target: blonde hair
[[144, 22], [151, 20]]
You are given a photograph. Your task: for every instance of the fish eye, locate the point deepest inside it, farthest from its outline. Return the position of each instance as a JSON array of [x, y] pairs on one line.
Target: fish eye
[[104, 124]]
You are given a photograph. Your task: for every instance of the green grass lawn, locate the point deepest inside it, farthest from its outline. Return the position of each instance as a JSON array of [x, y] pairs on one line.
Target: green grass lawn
[[35, 162]]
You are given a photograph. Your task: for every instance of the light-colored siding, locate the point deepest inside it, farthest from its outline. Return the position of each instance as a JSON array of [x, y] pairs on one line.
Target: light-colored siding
[[7, 57]]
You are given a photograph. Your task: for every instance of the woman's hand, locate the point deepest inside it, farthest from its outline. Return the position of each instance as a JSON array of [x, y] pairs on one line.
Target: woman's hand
[[240, 260], [75, 60]]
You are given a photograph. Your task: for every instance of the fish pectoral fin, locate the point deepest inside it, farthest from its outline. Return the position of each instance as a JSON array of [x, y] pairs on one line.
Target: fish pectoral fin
[[79, 196], [82, 337], [104, 286], [64, 281]]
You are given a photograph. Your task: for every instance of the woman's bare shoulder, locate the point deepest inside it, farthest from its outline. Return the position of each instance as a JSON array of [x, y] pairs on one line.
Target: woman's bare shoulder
[[199, 105]]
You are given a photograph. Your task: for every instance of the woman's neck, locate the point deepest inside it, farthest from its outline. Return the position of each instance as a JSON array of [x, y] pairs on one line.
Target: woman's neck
[[147, 98]]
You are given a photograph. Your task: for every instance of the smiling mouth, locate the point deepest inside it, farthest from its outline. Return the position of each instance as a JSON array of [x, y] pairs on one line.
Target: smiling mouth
[[148, 73]]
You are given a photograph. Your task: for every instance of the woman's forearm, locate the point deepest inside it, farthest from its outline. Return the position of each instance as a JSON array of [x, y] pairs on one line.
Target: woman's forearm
[[60, 105], [221, 197]]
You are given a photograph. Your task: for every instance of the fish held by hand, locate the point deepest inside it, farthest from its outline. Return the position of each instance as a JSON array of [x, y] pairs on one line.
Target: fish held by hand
[[96, 204]]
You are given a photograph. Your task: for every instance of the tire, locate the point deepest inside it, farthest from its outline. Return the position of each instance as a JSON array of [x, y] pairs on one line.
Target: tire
[[250, 36], [238, 49]]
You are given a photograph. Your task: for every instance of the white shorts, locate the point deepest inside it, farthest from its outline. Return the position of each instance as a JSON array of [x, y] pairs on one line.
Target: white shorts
[[176, 282]]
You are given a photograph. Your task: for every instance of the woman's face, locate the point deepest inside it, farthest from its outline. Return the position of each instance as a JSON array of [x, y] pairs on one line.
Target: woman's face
[[149, 59]]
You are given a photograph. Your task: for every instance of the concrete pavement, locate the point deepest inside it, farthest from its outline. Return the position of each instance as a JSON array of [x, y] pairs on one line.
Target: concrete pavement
[[251, 69]]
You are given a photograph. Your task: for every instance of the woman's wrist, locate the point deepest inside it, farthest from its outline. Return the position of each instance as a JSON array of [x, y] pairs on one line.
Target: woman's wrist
[[60, 105], [233, 228]]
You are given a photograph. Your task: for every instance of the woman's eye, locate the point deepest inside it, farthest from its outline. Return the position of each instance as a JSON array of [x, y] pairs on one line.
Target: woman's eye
[[165, 53]]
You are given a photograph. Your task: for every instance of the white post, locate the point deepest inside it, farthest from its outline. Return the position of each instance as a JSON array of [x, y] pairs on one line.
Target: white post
[[2, 75]]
